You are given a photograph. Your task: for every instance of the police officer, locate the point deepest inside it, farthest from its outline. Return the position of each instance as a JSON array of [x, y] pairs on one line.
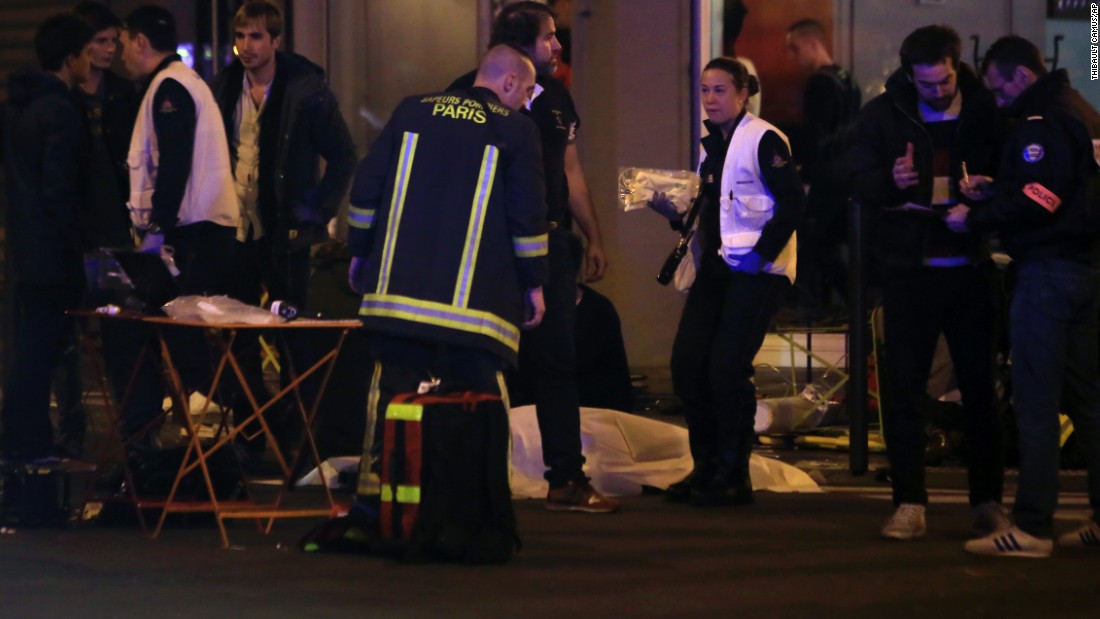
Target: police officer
[[1044, 205]]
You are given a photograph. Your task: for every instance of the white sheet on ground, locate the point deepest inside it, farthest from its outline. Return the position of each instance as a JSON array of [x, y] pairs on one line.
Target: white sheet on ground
[[624, 452]]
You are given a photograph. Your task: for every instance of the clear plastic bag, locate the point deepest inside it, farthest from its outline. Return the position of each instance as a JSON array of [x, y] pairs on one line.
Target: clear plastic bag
[[637, 185], [219, 309]]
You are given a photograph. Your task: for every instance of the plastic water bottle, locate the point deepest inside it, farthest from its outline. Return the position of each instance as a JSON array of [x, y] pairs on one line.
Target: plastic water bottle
[[289, 312]]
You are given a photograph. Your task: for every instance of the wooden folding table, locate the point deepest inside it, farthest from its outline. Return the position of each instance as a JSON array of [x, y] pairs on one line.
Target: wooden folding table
[[222, 336]]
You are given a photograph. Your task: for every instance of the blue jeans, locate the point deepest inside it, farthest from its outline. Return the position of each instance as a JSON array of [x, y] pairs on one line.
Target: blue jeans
[[1055, 366]]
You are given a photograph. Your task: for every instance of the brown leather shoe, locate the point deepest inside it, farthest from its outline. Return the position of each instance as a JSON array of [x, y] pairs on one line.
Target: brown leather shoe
[[579, 496]]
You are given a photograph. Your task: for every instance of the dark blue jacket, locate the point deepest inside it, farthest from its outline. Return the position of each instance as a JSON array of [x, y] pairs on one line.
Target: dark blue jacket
[[449, 211], [1045, 203], [301, 124], [42, 139]]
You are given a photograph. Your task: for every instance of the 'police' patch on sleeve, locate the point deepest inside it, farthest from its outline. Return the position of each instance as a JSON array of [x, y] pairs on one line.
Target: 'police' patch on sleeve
[[1042, 196], [167, 107], [778, 161], [1033, 152]]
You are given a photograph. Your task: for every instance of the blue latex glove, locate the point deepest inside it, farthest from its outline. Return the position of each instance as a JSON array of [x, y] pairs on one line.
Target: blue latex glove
[[152, 243], [750, 263]]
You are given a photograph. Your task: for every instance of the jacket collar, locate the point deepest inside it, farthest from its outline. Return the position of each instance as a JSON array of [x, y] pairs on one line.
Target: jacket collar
[[1039, 95], [169, 59]]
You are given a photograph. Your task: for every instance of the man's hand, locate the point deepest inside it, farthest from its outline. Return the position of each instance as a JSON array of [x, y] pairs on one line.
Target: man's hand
[[660, 203], [904, 174], [976, 187], [534, 308], [749, 264], [152, 243], [956, 218], [595, 263], [357, 265], [580, 206]]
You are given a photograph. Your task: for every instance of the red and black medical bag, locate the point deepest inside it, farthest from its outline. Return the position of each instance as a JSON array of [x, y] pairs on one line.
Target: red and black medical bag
[[445, 493]]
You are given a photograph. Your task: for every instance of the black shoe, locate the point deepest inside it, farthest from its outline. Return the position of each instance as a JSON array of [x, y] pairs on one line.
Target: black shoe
[[680, 491], [723, 489]]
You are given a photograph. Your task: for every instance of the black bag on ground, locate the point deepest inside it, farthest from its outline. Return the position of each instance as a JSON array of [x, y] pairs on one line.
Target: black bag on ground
[[34, 496], [445, 493]]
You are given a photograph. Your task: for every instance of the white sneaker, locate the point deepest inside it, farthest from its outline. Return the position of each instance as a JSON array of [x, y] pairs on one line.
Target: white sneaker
[[906, 523], [1011, 543], [989, 518], [1087, 536]]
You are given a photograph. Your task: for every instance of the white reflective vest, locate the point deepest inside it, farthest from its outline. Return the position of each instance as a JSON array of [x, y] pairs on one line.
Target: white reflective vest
[[745, 203], [209, 195]]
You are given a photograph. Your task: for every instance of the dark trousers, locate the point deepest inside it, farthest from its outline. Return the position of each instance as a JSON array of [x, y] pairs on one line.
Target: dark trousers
[[725, 319], [918, 306], [123, 342], [548, 368], [286, 277], [822, 270], [68, 393], [42, 333], [202, 252], [1055, 367], [402, 364]]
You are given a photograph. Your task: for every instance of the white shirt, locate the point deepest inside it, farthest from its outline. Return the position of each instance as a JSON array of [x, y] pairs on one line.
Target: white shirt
[[246, 139]]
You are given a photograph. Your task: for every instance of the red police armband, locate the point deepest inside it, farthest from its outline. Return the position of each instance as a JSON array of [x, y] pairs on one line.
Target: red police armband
[[1043, 196]]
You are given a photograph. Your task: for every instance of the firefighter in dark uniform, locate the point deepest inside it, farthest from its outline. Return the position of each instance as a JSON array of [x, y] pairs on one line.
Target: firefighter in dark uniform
[[447, 229], [1044, 206]]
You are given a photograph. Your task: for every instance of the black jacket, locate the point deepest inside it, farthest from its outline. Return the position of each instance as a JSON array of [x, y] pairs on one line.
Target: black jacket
[[830, 103], [1045, 203], [41, 144], [449, 210], [884, 127], [300, 124], [106, 178]]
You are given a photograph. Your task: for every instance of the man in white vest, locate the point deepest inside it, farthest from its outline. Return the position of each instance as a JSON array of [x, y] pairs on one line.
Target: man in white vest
[[181, 195]]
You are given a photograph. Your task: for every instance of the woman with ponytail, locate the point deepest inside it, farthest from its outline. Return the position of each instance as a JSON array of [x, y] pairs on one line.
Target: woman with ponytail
[[751, 203]]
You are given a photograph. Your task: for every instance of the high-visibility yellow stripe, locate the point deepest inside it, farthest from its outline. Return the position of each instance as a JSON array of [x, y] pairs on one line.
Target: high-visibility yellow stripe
[[477, 225], [531, 246], [441, 314], [405, 412], [503, 386], [1067, 429], [397, 205], [405, 494], [368, 482], [362, 218]]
